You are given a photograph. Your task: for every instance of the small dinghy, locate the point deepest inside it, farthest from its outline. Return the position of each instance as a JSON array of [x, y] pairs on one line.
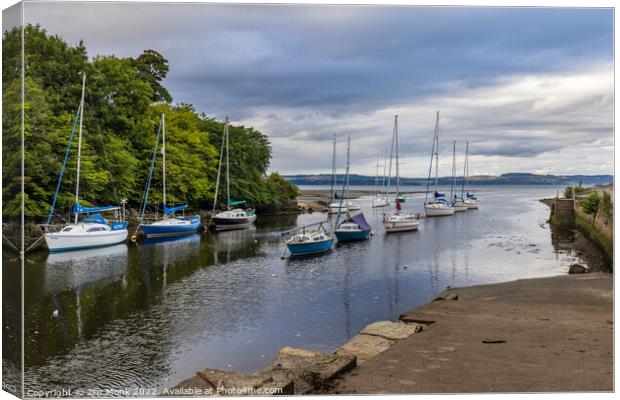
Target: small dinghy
[[305, 241]]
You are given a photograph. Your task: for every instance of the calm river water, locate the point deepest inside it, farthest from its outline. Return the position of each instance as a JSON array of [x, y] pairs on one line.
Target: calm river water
[[150, 315]]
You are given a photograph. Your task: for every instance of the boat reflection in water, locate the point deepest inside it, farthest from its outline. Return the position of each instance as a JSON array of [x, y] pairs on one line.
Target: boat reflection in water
[[171, 251], [79, 269]]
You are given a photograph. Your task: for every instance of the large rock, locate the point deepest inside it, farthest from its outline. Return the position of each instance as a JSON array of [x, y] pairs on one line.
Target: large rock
[[216, 382], [310, 371], [577, 269], [392, 330], [365, 346]]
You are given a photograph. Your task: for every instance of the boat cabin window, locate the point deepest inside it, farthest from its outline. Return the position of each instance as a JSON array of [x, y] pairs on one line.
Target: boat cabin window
[[96, 229], [67, 229]]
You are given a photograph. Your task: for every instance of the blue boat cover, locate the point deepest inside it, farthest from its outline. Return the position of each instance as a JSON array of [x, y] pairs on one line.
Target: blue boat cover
[[235, 203], [360, 221], [470, 196], [78, 209], [437, 195], [95, 218], [170, 210]]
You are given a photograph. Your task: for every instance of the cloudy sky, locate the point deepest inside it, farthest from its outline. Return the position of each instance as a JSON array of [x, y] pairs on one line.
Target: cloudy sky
[[530, 88]]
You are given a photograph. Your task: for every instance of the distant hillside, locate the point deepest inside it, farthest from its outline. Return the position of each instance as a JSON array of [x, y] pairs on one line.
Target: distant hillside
[[504, 179]]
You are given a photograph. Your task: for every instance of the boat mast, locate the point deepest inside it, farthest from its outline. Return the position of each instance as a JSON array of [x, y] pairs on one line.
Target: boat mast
[[219, 167], [389, 176], [227, 167], [464, 169], [331, 191], [453, 186], [377, 178], [79, 155], [396, 150], [384, 170], [163, 152], [345, 182], [437, 152]]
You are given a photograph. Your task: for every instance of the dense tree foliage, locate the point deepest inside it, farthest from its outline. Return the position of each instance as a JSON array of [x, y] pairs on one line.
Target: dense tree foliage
[[590, 204], [124, 101]]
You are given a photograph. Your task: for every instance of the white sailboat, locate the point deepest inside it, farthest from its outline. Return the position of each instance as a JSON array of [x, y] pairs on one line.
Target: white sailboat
[[380, 198], [231, 218], [335, 207], [458, 203], [439, 207], [399, 221], [471, 200], [93, 230]]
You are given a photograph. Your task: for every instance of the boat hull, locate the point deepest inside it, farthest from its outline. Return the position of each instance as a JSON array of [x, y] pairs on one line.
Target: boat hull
[[472, 205], [379, 203], [460, 208], [349, 236], [391, 227], [59, 241], [152, 230], [233, 223], [298, 249], [439, 211], [335, 210]]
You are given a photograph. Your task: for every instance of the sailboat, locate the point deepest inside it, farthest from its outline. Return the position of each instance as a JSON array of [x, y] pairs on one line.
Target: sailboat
[[399, 221], [471, 200], [439, 206], [336, 207], [232, 218], [306, 241], [169, 225], [94, 230], [457, 202], [354, 227], [380, 199]]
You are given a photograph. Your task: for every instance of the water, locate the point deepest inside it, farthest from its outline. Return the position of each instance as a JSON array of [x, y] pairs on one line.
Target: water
[[150, 315]]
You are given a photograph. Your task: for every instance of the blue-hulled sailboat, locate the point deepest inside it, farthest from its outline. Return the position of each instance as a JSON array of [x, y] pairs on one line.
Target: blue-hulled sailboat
[[305, 241], [170, 224], [93, 230], [354, 227]]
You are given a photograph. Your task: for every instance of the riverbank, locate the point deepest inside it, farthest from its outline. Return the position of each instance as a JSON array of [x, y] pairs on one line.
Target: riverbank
[[531, 335], [590, 235]]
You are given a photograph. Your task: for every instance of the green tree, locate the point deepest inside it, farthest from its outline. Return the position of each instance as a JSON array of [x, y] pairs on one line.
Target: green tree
[[568, 192], [589, 205], [153, 68]]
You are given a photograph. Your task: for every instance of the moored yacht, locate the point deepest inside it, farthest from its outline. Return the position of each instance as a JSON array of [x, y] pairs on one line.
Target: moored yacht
[[231, 218], [93, 230], [399, 221], [439, 207]]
